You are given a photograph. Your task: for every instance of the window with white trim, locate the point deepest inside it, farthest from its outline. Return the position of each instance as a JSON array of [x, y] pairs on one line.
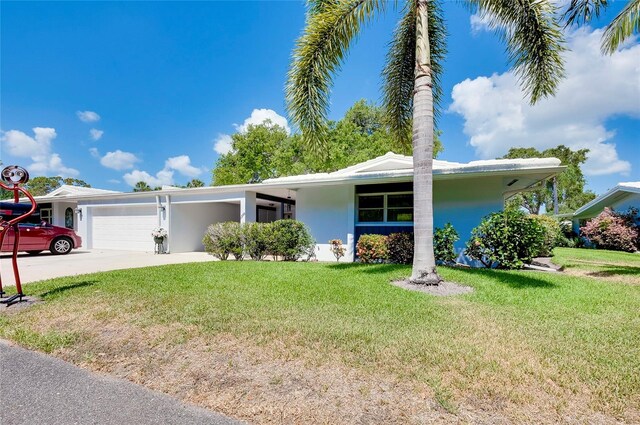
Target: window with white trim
[[385, 207]]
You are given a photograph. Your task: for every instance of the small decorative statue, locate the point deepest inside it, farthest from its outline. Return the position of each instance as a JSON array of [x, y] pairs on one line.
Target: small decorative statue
[[12, 177], [159, 235]]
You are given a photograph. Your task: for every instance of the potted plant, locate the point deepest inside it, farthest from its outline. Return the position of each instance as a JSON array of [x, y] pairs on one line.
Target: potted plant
[[159, 235]]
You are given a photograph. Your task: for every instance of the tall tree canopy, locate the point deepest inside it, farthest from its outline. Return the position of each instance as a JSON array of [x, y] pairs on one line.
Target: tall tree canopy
[[265, 151], [412, 79], [570, 183]]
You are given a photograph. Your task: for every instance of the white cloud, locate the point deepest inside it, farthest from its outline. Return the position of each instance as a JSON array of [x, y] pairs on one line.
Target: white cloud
[[88, 116], [223, 144], [38, 149], [597, 87], [114, 181], [94, 152], [161, 178], [259, 116], [182, 164], [119, 160], [479, 23], [96, 134]]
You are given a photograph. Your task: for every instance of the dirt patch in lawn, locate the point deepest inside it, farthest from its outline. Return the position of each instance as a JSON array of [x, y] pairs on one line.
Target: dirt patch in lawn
[[605, 271], [442, 290], [278, 381], [27, 302]]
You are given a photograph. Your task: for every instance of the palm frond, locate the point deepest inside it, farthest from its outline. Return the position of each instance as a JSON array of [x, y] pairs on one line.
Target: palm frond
[[331, 26], [583, 11], [399, 72], [534, 41], [622, 27]]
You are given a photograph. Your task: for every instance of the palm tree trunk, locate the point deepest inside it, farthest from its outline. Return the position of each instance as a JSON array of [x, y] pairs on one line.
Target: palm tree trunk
[[424, 264]]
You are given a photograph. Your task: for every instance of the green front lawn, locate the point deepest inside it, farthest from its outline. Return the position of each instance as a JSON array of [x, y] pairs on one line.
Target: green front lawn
[[600, 263], [524, 345]]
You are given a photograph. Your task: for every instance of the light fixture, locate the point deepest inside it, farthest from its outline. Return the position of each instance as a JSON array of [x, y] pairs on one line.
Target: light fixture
[[79, 212], [161, 208], [288, 194]]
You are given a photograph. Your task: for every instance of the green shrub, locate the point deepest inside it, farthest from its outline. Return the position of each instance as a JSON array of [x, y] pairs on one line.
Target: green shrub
[[223, 239], [372, 248], [553, 234], [257, 240], [508, 239], [443, 240], [290, 240], [400, 248]]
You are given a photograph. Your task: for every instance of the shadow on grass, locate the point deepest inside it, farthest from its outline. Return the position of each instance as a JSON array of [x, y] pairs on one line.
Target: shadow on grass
[[369, 268], [62, 289], [512, 279], [612, 271]]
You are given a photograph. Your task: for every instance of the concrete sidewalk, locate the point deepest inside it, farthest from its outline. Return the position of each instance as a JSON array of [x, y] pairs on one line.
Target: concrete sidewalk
[[38, 389], [47, 266]]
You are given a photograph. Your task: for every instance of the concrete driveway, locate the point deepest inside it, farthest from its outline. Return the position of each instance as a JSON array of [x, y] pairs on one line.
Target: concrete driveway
[[46, 266]]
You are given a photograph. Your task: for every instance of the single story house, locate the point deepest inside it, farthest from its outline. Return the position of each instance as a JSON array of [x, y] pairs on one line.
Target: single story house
[[375, 196], [620, 198]]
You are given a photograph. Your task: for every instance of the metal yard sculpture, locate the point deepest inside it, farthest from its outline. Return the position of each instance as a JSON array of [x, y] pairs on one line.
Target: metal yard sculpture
[[12, 177]]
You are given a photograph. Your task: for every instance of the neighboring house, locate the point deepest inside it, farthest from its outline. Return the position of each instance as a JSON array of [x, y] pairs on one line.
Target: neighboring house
[[375, 196], [622, 197]]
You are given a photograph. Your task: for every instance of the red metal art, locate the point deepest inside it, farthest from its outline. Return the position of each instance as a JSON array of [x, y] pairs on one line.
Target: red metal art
[[12, 177]]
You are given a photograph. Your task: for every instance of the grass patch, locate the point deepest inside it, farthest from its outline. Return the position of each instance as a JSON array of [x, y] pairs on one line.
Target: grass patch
[[522, 344], [599, 263]]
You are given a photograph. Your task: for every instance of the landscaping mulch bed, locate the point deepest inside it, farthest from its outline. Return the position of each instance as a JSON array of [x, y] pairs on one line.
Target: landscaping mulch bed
[[444, 289]]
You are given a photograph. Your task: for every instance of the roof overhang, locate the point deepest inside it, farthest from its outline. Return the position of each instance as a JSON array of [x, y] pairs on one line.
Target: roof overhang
[[618, 193]]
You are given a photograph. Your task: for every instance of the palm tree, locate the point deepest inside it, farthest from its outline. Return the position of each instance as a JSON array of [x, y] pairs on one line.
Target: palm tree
[[622, 27], [411, 88], [142, 186]]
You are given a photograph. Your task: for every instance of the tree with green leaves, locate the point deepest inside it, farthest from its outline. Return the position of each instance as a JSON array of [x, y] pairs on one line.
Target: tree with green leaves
[[623, 26], [265, 151], [569, 184], [195, 183], [39, 186], [142, 187], [412, 79]]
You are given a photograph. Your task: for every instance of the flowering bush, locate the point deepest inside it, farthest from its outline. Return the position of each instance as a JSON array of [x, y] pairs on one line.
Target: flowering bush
[[611, 230], [372, 248], [159, 233], [337, 248], [508, 239]]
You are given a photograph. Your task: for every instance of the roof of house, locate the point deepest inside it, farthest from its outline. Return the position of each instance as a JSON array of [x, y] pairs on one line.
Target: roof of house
[[620, 191], [385, 168], [73, 191], [392, 164]]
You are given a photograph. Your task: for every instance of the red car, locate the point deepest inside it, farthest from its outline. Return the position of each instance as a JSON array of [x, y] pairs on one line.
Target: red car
[[35, 238]]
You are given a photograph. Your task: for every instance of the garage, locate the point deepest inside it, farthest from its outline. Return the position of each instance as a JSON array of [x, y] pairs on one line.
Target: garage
[[123, 227]]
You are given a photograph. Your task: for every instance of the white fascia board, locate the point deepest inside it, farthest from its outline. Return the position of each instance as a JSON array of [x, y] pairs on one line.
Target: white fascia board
[[602, 199]]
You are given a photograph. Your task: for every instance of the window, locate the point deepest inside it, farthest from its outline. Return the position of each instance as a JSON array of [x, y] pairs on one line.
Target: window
[[68, 218], [385, 208]]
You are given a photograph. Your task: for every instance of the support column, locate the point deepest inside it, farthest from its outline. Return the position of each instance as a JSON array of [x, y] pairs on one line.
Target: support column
[[248, 208]]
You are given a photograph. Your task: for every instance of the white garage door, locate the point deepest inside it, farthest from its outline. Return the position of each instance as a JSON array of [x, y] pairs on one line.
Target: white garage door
[[124, 228]]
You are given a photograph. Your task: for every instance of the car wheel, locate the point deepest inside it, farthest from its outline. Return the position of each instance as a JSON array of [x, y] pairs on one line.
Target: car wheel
[[61, 246], [34, 252]]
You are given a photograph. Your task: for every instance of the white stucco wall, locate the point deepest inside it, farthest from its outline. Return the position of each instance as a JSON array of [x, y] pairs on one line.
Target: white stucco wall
[[328, 211], [632, 200], [189, 222]]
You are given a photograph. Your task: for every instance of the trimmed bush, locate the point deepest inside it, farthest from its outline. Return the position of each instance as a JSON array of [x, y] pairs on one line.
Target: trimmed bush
[[372, 248], [610, 230], [400, 248], [223, 239], [553, 234], [290, 239], [508, 239], [257, 240], [443, 240]]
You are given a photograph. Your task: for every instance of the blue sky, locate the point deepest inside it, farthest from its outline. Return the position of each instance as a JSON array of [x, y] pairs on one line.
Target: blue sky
[[123, 91]]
